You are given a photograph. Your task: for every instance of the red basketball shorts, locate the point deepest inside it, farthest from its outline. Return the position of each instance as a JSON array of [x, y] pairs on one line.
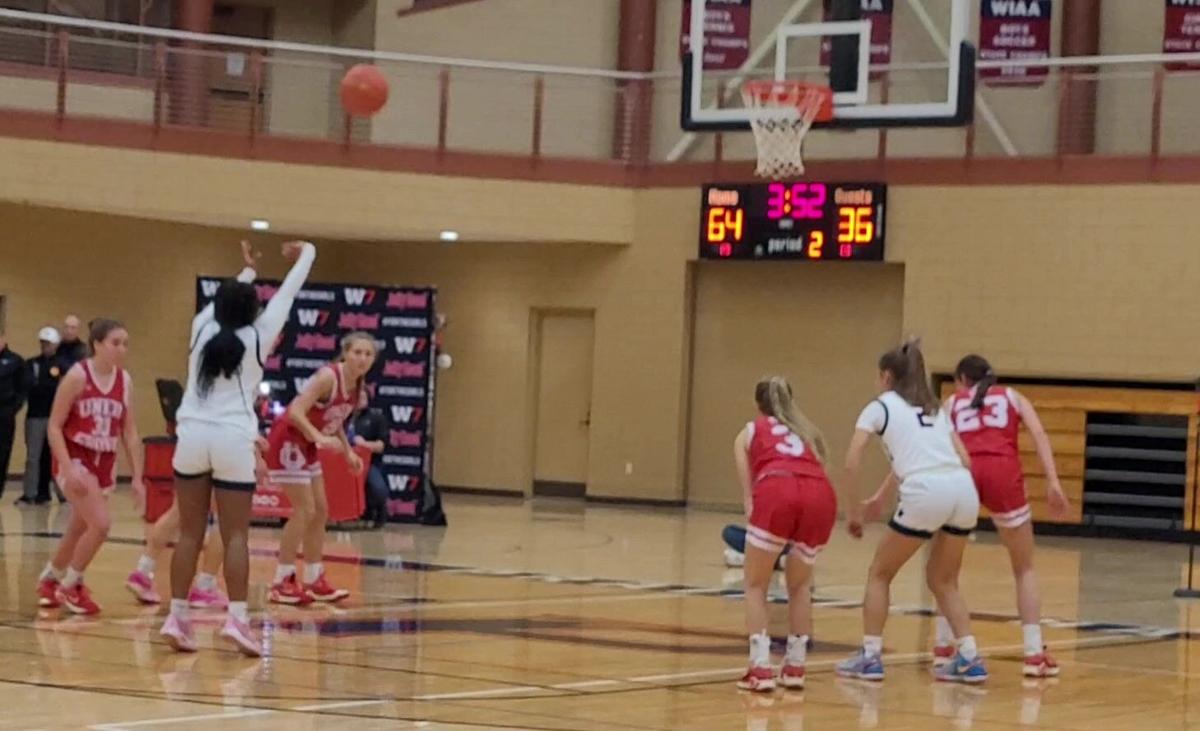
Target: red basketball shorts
[[1001, 486], [799, 510], [102, 465], [291, 459]]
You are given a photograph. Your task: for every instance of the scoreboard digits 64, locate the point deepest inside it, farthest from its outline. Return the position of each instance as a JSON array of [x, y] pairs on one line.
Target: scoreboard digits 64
[[793, 220]]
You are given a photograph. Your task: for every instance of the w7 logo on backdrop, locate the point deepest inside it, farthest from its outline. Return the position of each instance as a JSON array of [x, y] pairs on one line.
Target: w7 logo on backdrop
[[410, 345], [358, 296], [402, 379], [407, 414], [311, 318]]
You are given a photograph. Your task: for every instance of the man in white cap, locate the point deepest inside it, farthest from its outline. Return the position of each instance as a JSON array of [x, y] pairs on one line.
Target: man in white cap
[[43, 374]]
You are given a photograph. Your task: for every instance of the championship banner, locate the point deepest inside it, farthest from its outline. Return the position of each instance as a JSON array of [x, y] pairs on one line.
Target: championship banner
[[1014, 29], [400, 384], [726, 33], [879, 12], [1181, 31]]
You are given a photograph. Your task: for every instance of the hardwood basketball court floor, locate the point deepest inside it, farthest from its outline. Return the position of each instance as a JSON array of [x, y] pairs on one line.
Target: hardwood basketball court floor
[[556, 615]]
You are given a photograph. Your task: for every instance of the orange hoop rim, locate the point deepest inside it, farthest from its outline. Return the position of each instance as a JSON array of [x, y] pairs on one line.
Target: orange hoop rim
[[774, 93]]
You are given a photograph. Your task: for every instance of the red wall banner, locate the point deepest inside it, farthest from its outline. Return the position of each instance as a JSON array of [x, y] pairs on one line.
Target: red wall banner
[[1181, 31], [1014, 29], [726, 33]]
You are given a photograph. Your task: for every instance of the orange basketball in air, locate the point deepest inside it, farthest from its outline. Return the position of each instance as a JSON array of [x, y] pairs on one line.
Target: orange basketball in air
[[364, 90]]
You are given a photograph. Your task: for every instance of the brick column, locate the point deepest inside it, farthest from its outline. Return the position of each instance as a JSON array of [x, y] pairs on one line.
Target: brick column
[[188, 72], [1080, 37], [635, 52]]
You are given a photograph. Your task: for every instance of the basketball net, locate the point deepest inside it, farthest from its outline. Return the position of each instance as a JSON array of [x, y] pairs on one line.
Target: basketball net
[[780, 138]]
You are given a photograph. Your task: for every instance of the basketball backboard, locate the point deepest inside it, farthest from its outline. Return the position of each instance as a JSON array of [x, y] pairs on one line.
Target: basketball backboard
[[908, 63]]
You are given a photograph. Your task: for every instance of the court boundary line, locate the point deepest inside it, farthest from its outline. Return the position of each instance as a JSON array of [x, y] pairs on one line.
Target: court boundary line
[[392, 564], [637, 683], [1114, 633]]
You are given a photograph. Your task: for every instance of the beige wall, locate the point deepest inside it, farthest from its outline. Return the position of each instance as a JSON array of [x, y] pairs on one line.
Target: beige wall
[[493, 111], [823, 327], [488, 291], [562, 32], [1052, 281], [354, 23], [85, 100], [489, 294], [309, 200], [300, 98], [1125, 105], [141, 272]]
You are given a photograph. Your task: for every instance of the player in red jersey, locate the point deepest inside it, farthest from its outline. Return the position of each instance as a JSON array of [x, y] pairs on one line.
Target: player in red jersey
[[788, 499], [91, 417], [316, 419], [987, 418]]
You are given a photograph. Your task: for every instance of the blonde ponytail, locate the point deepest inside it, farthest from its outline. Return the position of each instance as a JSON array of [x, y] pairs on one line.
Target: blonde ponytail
[[774, 397]]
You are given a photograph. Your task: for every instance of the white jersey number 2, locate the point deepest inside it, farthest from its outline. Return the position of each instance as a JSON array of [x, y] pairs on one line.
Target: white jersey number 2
[[994, 414]]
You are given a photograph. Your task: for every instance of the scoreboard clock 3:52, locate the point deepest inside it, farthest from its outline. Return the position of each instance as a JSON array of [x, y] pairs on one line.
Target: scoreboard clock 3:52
[[805, 220]]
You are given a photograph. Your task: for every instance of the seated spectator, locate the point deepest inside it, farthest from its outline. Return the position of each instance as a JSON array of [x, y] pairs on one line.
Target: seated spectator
[[368, 431]]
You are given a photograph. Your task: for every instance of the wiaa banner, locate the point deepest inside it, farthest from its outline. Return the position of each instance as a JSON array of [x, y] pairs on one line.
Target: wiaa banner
[[401, 383], [1012, 30], [726, 33], [1181, 31]]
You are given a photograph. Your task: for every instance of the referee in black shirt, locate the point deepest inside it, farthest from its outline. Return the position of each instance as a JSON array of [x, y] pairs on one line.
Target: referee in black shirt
[[13, 388], [43, 374]]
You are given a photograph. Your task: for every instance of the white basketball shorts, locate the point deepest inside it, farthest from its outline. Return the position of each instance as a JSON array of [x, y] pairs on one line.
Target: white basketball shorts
[[937, 500], [205, 448]]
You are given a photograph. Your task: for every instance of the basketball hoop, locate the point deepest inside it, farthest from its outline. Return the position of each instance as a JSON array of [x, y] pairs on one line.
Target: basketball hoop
[[780, 137]]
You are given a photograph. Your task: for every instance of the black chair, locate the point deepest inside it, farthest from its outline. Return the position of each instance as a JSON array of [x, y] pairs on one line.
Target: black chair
[[170, 396]]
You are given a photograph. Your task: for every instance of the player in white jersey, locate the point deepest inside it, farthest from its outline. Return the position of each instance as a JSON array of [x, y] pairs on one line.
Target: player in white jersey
[[937, 501], [218, 433]]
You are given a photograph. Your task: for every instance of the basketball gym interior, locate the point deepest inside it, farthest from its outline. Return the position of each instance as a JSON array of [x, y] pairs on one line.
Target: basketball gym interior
[[529, 171]]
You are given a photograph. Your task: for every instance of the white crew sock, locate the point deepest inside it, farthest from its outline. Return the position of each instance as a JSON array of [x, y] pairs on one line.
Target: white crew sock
[[206, 582], [1032, 634], [313, 571], [873, 645], [760, 650], [967, 648], [146, 565], [239, 611], [284, 570], [944, 633], [50, 573], [797, 650], [72, 578], [179, 608]]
